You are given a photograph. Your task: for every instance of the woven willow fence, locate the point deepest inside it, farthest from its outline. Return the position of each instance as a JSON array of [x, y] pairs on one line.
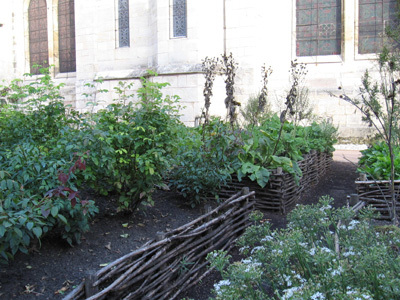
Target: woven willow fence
[[164, 268], [282, 191], [377, 194]]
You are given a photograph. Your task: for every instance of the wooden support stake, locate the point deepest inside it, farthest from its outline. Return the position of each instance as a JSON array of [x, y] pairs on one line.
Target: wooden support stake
[[354, 198], [91, 290]]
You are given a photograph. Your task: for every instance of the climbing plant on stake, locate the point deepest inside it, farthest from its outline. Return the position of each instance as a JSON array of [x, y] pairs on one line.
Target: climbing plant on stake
[[209, 67], [229, 70]]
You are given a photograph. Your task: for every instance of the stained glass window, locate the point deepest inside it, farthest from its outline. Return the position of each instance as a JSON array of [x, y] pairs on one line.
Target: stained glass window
[[179, 16], [374, 17], [123, 23], [66, 35], [38, 39], [318, 27]]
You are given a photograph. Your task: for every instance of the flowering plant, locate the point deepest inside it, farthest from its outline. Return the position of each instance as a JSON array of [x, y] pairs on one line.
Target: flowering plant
[[324, 253]]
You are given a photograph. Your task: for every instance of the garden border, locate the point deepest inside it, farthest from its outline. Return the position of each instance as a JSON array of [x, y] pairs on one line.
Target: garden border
[[377, 194], [282, 191], [164, 268]]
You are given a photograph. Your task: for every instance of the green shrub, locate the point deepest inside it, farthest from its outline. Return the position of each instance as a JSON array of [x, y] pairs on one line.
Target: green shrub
[[130, 145], [375, 162], [206, 158], [258, 157], [251, 113], [316, 257], [25, 216]]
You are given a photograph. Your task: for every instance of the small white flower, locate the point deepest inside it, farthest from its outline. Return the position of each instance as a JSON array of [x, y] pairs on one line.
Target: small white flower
[[318, 296], [325, 207], [218, 285], [349, 253], [312, 251], [326, 250], [337, 272], [304, 245], [257, 249], [267, 238], [289, 292], [288, 280], [353, 224]]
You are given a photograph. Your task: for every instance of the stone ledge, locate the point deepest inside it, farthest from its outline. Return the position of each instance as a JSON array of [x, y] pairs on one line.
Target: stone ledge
[[141, 71]]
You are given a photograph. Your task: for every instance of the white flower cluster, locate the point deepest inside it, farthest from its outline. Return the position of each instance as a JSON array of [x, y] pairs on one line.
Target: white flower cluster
[[258, 248], [323, 208], [220, 284], [267, 238], [251, 264], [318, 296], [358, 297], [335, 272], [290, 292], [353, 224]]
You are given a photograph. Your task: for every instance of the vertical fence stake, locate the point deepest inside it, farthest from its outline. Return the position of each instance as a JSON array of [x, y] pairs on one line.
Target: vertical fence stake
[[90, 290], [354, 198]]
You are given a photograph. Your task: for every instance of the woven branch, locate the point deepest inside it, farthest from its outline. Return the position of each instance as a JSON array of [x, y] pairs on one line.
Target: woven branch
[[282, 191], [163, 269]]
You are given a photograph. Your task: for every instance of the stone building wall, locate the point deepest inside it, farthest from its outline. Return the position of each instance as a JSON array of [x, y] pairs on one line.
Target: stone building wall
[[257, 32]]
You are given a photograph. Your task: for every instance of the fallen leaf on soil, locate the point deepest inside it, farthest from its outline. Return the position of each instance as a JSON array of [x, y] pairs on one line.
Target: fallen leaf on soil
[[124, 235], [108, 246], [62, 290], [141, 224], [103, 265], [125, 225]]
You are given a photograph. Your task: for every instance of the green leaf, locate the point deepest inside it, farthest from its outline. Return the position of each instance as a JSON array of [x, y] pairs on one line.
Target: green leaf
[[30, 225], [2, 231], [18, 231], [62, 218], [54, 211], [37, 231]]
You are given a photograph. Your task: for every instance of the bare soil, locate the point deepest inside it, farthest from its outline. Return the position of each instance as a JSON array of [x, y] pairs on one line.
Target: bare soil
[[52, 269]]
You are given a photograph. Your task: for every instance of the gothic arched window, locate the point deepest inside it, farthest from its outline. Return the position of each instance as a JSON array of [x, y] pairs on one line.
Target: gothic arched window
[[123, 23], [66, 36], [373, 18], [179, 15], [38, 39], [318, 27]]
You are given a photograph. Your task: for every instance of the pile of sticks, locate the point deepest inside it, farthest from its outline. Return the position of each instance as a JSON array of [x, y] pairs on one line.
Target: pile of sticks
[[282, 191], [377, 194], [167, 266]]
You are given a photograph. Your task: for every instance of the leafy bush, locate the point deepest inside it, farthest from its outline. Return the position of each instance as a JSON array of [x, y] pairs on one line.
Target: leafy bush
[[258, 156], [316, 257], [253, 114], [129, 144], [375, 162], [25, 216], [206, 158]]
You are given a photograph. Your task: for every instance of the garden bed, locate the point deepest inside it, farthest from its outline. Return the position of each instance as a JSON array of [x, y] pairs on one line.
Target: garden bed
[[377, 194], [282, 191], [163, 268]]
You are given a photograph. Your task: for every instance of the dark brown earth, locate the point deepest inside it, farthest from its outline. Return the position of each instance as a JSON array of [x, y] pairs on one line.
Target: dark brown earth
[[51, 271]]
